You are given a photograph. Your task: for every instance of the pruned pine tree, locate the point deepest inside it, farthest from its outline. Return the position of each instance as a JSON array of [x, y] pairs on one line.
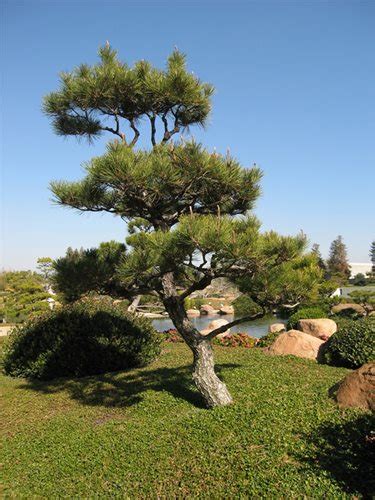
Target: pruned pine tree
[[113, 97], [188, 209]]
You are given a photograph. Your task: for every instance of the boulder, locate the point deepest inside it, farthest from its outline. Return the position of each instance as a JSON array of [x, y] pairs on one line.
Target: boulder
[[276, 328], [193, 312], [358, 389], [216, 323], [297, 343], [207, 309], [348, 308], [321, 328], [226, 310]]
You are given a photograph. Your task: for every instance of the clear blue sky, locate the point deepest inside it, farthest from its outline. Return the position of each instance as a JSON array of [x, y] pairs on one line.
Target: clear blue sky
[[295, 92]]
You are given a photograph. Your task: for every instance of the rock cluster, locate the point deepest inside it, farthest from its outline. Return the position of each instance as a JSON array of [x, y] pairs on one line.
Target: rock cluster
[[207, 309], [306, 341]]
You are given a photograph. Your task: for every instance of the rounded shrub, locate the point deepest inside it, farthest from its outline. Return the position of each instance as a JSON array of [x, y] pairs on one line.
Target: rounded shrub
[[244, 306], [88, 337], [352, 345], [306, 313]]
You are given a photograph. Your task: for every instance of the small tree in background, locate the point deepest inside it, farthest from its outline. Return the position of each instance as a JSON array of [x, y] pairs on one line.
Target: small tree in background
[[359, 280], [45, 268], [24, 295], [372, 257], [188, 208], [315, 250], [82, 271], [338, 265]]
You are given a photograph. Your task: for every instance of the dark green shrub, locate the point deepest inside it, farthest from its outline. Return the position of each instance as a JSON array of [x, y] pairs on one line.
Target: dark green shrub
[[359, 280], [268, 339], [88, 337], [244, 306], [306, 313], [352, 345]]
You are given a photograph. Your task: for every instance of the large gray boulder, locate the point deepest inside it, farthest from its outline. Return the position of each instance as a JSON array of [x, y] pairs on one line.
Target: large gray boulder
[[296, 343]]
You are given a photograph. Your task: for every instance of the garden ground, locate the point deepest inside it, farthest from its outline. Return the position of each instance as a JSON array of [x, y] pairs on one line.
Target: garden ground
[[144, 433]]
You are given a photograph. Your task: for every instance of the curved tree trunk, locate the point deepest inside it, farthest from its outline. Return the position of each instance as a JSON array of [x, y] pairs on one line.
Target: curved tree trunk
[[212, 389]]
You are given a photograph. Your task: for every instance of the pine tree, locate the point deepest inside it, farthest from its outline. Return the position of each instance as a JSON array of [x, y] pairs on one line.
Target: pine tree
[[337, 263], [93, 270], [315, 250], [45, 268], [188, 209], [372, 256]]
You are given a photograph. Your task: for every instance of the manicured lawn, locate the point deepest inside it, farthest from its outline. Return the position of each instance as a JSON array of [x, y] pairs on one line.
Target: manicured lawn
[[144, 434]]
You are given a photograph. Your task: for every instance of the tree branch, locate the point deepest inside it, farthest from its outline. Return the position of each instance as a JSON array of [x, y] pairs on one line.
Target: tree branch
[[153, 128], [168, 133], [136, 132], [197, 285], [115, 132], [226, 327]]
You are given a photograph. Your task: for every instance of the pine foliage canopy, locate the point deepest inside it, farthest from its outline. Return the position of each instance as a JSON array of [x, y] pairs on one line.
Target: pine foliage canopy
[[113, 97]]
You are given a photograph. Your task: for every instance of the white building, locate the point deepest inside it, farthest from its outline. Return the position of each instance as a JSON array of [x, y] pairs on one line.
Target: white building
[[359, 267]]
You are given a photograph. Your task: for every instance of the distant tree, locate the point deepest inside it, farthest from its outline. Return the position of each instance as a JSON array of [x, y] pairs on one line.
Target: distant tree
[[372, 256], [188, 208], [45, 268], [359, 280], [24, 296], [337, 264], [93, 270], [315, 250]]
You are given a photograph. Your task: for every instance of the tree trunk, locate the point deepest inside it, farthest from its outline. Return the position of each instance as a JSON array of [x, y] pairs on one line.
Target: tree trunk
[[213, 390], [135, 302]]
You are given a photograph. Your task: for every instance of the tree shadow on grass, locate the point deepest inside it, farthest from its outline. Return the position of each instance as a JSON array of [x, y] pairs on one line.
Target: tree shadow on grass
[[127, 388], [347, 452]]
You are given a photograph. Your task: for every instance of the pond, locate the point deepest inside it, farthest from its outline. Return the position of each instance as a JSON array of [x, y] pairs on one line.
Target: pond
[[256, 328]]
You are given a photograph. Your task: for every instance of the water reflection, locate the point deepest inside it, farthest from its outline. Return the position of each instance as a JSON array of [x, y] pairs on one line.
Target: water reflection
[[255, 328]]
